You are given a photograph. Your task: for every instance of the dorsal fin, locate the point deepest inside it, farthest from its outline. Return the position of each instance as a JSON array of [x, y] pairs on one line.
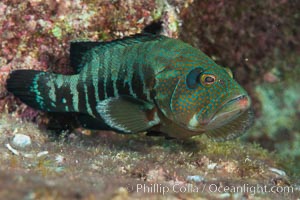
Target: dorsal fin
[[79, 49]]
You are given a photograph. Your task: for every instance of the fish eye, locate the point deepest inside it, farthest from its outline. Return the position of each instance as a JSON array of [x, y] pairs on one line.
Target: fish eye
[[207, 79]]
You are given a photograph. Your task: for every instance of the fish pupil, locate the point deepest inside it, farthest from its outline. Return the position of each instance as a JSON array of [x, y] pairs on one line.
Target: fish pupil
[[209, 79]]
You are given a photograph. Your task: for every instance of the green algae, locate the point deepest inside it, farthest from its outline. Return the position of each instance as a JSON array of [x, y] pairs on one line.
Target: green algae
[[277, 112], [159, 9], [57, 32], [278, 126]]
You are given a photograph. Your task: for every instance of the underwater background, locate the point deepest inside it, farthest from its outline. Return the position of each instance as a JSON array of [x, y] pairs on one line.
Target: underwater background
[[257, 40]]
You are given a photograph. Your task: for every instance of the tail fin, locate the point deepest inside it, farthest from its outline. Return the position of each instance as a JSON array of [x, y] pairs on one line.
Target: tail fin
[[26, 85]]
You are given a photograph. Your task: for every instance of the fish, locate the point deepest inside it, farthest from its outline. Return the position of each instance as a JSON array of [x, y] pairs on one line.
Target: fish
[[141, 83]]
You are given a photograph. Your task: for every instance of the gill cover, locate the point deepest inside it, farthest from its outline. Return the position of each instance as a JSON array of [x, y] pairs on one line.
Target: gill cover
[[186, 98]]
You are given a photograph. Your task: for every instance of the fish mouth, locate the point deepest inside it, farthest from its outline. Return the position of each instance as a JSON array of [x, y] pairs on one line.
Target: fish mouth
[[229, 111]]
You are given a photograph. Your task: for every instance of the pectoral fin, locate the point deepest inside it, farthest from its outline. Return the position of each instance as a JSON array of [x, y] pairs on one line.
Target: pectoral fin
[[127, 114]]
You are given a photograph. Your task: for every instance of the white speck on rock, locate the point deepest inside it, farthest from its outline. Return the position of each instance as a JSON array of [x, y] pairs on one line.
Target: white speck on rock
[[59, 159], [211, 166], [195, 178], [224, 195], [14, 151], [42, 153], [277, 171], [21, 140]]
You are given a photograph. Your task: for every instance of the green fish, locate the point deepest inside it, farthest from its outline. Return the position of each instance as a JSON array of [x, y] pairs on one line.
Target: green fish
[[142, 83]]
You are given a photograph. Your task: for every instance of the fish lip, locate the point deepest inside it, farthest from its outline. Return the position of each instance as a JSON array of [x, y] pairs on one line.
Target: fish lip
[[237, 98], [207, 122]]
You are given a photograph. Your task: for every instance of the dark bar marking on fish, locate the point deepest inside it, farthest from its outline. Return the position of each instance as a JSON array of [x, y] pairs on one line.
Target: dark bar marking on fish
[[137, 84], [109, 86], [145, 95], [129, 77], [81, 96], [91, 95], [66, 94], [123, 88], [137, 81], [100, 83]]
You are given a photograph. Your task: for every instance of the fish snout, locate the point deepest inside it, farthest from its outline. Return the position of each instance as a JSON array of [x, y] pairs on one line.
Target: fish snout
[[226, 113], [229, 111]]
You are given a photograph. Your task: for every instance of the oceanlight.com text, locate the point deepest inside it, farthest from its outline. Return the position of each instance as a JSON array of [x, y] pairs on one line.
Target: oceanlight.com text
[[212, 188]]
